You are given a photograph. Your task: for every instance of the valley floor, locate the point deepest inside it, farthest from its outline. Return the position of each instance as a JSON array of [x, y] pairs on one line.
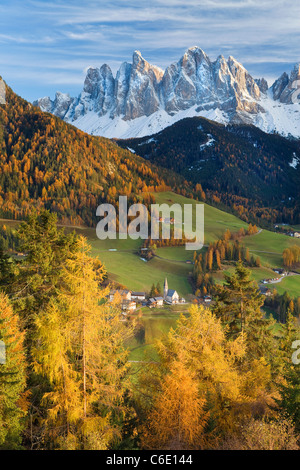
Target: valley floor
[[126, 268]]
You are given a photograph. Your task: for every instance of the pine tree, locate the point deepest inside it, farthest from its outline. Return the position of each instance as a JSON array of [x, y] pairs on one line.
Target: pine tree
[[291, 306], [289, 402], [46, 249], [12, 378], [297, 306], [289, 333], [247, 255], [258, 262], [210, 257], [218, 259], [8, 270], [237, 297], [199, 344], [158, 288], [239, 305], [152, 291], [31, 289], [289, 386]]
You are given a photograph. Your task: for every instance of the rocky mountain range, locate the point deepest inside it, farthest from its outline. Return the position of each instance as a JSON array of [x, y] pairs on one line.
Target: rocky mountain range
[[143, 99]]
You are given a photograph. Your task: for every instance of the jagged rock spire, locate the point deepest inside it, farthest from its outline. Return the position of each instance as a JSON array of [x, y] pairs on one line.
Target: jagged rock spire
[[110, 106]]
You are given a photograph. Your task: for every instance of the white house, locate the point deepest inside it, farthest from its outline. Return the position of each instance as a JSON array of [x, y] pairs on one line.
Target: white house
[[138, 296], [123, 294], [280, 271], [128, 305], [159, 301], [156, 302]]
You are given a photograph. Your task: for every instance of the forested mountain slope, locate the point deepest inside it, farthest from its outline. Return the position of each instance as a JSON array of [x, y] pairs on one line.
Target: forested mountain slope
[[239, 162], [46, 163]]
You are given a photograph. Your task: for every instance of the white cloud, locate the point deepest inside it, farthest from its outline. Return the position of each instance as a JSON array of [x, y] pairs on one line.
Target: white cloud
[[62, 37]]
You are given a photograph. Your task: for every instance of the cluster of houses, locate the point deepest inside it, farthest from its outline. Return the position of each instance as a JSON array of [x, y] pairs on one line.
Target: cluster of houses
[[280, 271], [291, 233], [265, 291], [294, 234], [130, 299], [269, 281]]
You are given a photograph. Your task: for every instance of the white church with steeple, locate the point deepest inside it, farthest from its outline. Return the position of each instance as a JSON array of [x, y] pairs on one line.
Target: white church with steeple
[[170, 296]]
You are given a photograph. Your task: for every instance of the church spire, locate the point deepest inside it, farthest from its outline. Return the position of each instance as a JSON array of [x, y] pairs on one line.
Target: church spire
[[166, 288]]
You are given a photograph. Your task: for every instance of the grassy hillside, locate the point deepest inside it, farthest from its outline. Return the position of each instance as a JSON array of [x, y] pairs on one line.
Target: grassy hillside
[[215, 220], [128, 269]]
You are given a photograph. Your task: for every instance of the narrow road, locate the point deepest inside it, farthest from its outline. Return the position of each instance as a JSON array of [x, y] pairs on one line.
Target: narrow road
[[174, 260], [281, 278], [267, 252]]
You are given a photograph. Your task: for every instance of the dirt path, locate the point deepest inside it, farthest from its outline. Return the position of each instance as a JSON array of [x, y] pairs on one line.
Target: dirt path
[[267, 252]]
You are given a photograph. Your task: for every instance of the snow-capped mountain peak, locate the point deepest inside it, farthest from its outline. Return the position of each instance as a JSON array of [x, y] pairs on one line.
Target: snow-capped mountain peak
[[142, 98]]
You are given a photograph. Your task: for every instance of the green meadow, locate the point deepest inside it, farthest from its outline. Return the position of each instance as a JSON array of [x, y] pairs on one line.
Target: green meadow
[[216, 222], [156, 322], [125, 267], [289, 284], [269, 246], [132, 272]]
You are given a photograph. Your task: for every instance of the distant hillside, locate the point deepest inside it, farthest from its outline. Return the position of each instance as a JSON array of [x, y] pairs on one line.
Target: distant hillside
[[46, 163], [240, 163]]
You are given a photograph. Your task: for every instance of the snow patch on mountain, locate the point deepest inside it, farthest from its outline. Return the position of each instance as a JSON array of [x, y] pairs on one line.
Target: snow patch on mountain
[[209, 143], [295, 162], [149, 141], [142, 126], [279, 117]]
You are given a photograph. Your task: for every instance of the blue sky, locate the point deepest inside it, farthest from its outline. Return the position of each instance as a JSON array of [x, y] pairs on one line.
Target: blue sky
[[47, 46]]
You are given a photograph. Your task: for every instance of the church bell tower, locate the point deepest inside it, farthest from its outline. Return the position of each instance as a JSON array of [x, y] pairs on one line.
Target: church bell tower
[[165, 289]]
